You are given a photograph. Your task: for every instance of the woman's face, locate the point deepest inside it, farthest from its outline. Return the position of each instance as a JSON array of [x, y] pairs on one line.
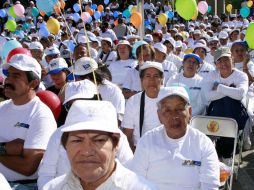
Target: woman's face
[[123, 51], [59, 78]]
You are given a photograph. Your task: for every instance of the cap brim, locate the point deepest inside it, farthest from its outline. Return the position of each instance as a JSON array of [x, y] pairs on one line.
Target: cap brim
[[90, 125], [194, 56], [223, 55], [56, 70]]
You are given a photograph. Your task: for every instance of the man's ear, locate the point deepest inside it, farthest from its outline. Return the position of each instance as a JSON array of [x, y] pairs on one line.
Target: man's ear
[[34, 83]]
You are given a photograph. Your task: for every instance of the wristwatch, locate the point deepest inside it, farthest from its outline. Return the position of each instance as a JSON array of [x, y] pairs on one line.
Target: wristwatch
[[2, 149]]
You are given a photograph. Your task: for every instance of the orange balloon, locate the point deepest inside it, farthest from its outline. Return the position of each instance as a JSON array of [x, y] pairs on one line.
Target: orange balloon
[[42, 13], [62, 4], [136, 19], [90, 11], [116, 22], [57, 8], [100, 8]]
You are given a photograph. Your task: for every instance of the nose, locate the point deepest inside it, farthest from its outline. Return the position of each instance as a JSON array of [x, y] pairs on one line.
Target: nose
[[87, 149]]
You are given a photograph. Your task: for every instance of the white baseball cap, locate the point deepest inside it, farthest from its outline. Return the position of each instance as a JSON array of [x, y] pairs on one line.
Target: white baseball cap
[[108, 40], [197, 32], [84, 66], [170, 40], [24, 63], [123, 42], [83, 40], [174, 90], [201, 45], [223, 35], [52, 51], [91, 115], [79, 89], [178, 44], [36, 45], [160, 47], [148, 38], [152, 64], [57, 65]]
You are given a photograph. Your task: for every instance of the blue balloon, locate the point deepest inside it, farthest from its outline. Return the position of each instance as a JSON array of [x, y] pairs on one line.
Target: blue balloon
[[76, 17], [43, 25], [47, 6], [102, 13], [76, 7], [170, 14], [8, 46], [245, 12], [94, 6], [90, 19], [25, 26], [97, 15], [127, 13], [3, 13], [44, 32], [115, 14], [106, 2], [71, 45], [147, 22], [135, 47], [209, 9]]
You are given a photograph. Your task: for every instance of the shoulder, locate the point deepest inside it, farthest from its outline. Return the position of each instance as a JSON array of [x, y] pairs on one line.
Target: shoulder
[[237, 73], [56, 183], [5, 103]]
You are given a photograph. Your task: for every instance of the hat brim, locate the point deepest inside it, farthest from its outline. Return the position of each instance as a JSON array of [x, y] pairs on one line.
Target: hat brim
[[223, 55], [95, 125], [56, 70], [194, 56]]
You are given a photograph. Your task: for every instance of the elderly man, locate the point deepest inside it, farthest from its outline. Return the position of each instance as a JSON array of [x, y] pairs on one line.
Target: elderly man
[[90, 137], [175, 155], [140, 112], [26, 123]]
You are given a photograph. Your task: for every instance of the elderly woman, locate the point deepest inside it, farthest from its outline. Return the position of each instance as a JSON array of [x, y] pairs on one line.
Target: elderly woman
[[226, 90], [123, 63], [175, 155], [90, 137], [193, 81]]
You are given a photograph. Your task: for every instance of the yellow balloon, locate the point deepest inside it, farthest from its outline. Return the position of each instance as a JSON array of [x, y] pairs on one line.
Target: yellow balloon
[[229, 7], [249, 3], [134, 9], [53, 26], [189, 50], [136, 19], [195, 16], [163, 18]]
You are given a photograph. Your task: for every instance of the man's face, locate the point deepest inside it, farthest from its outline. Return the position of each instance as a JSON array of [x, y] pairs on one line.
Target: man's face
[[91, 154], [174, 114], [81, 51], [151, 82], [213, 45], [238, 52], [37, 54], [159, 56], [16, 84], [51, 57], [225, 66], [190, 67]]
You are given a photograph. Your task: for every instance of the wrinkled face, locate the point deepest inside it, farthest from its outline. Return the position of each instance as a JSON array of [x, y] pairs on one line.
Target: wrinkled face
[[123, 51], [174, 114], [16, 84], [190, 67], [91, 154], [238, 52], [79, 52], [152, 81], [59, 78], [225, 66]]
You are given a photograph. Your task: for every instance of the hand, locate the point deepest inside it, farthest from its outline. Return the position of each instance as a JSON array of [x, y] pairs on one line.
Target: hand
[[14, 147]]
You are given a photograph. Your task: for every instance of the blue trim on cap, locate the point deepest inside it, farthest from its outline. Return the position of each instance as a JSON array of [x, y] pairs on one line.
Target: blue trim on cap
[[56, 70], [192, 55], [5, 72], [244, 43]]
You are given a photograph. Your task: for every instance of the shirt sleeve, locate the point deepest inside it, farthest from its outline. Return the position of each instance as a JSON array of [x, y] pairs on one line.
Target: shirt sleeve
[[250, 66]]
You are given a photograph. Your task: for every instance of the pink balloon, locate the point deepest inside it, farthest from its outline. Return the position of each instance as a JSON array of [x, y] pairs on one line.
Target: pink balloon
[[19, 9], [85, 16], [202, 7]]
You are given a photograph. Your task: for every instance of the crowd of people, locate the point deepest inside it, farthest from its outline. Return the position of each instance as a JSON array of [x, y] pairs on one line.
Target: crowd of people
[[126, 100]]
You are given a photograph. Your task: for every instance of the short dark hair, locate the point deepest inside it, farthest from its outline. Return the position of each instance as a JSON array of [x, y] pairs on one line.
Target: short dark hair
[[32, 76], [115, 139]]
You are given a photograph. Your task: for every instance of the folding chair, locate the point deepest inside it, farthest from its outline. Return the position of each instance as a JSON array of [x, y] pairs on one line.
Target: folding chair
[[219, 127]]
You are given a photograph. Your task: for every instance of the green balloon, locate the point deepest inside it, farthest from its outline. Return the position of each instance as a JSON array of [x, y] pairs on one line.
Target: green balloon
[[12, 12], [11, 25], [249, 36], [186, 8]]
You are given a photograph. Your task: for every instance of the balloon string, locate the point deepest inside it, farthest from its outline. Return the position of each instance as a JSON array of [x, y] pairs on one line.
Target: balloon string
[[89, 54]]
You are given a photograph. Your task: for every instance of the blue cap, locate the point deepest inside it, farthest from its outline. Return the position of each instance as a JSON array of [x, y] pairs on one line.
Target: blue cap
[[192, 55]]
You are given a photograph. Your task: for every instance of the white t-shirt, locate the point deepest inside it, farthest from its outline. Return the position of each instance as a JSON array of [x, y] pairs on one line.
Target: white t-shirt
[[4, 185], [196, 93], [119, 70], [56, 163], [33, 122], [176, 60], [209, 59], [205, 69], [238, 79], [132, 80], [250, 66], [169, 69], [112, 93], [109, 34], [107, 58], [132, 115], [187, 163], [121, 178]]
